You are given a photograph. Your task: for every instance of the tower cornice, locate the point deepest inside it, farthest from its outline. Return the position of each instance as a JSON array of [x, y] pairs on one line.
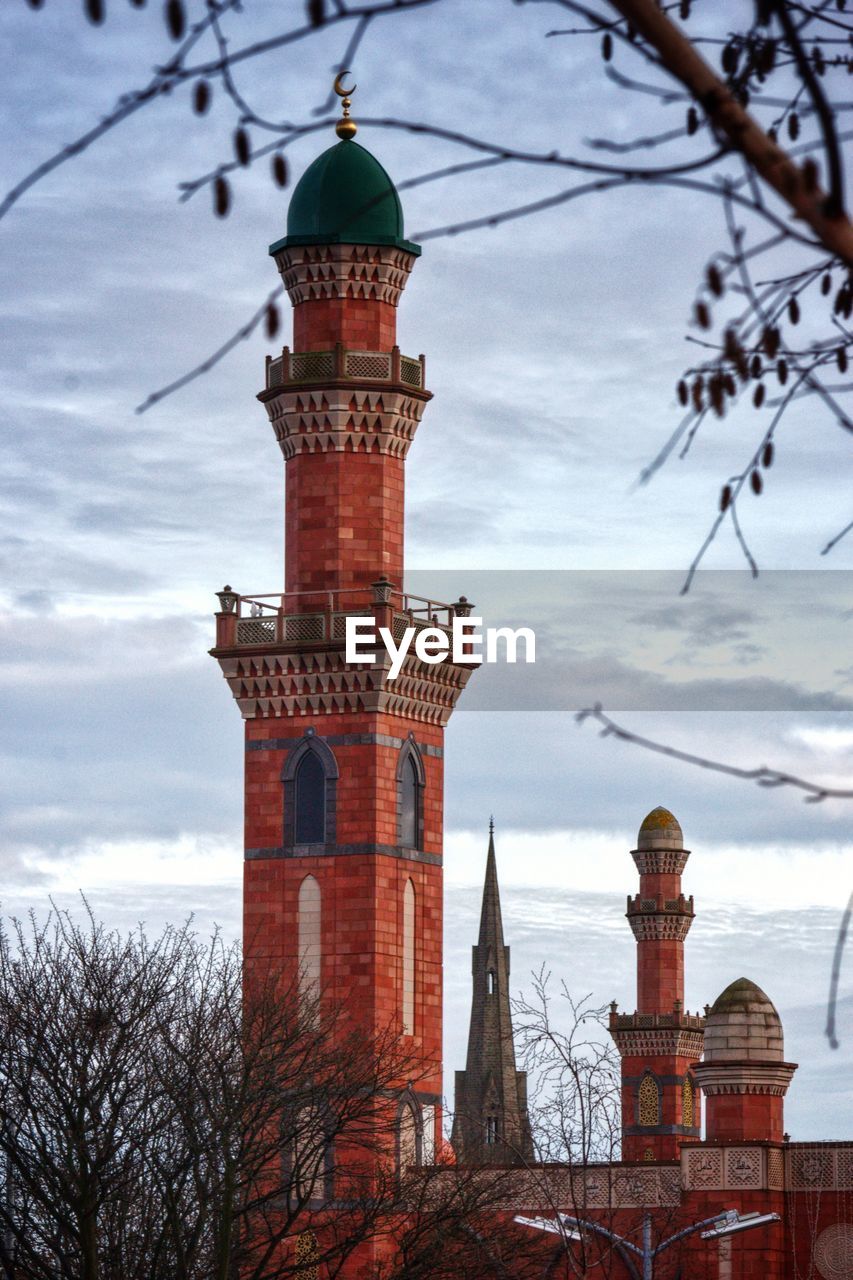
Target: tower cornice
[[374, 273], [748, 1077], [662, 861]]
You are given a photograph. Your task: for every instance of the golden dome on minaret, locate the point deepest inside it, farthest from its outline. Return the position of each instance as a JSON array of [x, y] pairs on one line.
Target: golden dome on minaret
[[660, 826], [658, 818]]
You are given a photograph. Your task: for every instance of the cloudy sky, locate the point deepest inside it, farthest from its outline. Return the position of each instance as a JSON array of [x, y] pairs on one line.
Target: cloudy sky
[[553, 344]]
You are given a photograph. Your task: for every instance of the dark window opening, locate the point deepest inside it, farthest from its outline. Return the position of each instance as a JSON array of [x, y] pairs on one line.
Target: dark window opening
[[409, 806], [310, 801], [491, 1130]]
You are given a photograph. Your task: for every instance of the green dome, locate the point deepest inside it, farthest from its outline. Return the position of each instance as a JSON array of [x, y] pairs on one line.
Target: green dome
[[345, 197]]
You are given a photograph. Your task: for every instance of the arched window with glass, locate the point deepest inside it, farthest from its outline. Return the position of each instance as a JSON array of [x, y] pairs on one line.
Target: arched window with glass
[[410, 792], [310, 785]]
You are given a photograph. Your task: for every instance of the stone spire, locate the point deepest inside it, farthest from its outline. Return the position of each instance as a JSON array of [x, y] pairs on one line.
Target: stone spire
[[490, 1124]]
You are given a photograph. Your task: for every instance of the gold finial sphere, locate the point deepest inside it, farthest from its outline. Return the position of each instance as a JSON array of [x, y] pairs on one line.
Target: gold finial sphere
[[345, 127]]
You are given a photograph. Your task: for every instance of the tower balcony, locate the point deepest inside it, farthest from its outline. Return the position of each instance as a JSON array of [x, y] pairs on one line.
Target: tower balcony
[[285, 654], [677, 1034], [642, 904], [339, 364], [660, 919], [676, 1020], [296, 619]]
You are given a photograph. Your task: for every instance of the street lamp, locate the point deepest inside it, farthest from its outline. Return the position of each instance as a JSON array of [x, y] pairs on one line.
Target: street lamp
[[554, 1225], [722, 1224], [734, 1222]]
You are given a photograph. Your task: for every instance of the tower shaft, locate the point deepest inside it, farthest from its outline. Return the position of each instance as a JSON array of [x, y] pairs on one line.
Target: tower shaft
[[342, 891]]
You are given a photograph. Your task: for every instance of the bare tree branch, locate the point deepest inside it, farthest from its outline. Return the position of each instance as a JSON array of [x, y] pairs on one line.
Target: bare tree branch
[[682, 60], [763, 776]]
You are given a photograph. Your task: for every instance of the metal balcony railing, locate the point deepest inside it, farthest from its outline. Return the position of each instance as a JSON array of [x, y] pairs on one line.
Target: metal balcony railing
[[319, 617]]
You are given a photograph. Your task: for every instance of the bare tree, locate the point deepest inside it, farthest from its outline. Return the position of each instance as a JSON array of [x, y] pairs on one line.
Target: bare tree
[[159, 1120]]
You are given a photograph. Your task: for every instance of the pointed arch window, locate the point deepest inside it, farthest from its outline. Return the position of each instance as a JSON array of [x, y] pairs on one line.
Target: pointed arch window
[[409, 959], [410, 791], [309, 820], [648, 1100], [309, 1157], [310, 777], [407, 1136]]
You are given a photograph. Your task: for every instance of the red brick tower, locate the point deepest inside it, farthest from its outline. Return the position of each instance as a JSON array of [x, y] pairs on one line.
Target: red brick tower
[[344, 767], [659, 1041]]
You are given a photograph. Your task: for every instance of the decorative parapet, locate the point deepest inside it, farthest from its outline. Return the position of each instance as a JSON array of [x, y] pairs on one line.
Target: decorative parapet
[[307, 368], [627, 1186], [733, 1168], [377, 273], [652, 1034], [819, 1166], [658, 918], [577, 1190]]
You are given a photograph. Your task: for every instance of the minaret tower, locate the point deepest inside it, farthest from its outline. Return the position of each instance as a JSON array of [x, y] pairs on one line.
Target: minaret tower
[[659, 1041], [490, 1123], [343, 766]]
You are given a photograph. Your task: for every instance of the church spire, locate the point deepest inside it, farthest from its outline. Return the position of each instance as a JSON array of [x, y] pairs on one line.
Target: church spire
[[490, 1125]]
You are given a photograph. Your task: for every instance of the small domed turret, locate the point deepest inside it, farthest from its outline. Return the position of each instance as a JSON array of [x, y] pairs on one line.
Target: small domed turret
[[660, 830], [743, 1074], [743, 1025]]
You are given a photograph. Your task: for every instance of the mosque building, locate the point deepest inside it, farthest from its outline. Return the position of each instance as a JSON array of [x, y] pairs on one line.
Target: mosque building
[[344, 821]]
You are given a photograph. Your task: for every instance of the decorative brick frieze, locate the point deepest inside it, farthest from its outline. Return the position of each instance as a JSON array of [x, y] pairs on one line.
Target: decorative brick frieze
[[345, 418], [732, 1168], [373, 273], [300, 683], [626, 1187], [658, 1043], [660, 862], [814, 1166]]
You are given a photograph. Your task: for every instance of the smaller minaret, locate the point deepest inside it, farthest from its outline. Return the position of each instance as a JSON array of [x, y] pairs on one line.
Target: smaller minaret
[[490, 1124], [659, 1042]]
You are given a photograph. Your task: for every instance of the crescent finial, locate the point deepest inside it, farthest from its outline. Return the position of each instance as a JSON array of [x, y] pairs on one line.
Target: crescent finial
[[339, 88], [345, 128]]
